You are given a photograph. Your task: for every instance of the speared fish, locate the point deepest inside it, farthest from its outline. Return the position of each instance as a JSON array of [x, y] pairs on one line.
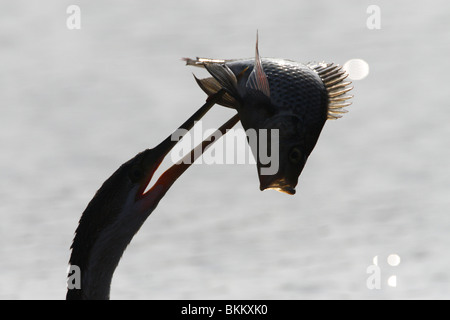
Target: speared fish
[[294, 98]]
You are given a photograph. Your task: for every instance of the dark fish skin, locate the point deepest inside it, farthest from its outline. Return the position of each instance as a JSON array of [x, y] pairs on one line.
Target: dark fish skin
[[297, 108], [292, 97]]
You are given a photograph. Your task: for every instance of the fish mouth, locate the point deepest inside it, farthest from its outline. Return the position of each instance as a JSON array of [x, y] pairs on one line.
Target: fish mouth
[[280, 185], [288, 190]]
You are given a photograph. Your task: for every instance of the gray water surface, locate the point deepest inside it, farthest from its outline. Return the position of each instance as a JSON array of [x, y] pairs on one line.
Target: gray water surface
[[75, 104]]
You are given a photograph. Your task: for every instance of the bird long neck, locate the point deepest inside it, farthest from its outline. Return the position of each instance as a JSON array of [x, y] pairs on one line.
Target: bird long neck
[[98, 259], [98, 266], [103, 234]]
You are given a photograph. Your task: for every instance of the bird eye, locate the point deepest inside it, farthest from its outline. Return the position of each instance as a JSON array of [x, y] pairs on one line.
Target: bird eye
[[296, 155], [136, 173]]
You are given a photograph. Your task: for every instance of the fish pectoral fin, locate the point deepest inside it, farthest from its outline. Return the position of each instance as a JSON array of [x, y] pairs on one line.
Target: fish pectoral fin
[[258, 78], [211, 86]]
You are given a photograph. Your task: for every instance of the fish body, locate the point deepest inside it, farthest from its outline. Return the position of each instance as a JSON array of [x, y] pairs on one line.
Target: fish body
[[294, 98]]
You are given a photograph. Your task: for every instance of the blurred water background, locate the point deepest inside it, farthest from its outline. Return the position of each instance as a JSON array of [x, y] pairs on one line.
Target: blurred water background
[[75, 104]]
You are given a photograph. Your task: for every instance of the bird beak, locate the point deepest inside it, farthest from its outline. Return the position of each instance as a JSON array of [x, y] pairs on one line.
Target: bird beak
[[166, 180], [155, 156]]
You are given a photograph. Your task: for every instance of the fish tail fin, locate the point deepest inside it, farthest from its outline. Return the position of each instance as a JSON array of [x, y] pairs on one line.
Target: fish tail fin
[[200, 62], [211, 86], [225, 78], [222, 78], [333, 77]]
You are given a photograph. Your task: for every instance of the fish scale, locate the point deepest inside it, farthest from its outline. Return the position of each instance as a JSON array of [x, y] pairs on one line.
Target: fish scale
[[296, 88]]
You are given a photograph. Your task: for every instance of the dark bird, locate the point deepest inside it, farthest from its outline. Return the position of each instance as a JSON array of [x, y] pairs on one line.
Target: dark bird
[[121, 206], [294, 98]]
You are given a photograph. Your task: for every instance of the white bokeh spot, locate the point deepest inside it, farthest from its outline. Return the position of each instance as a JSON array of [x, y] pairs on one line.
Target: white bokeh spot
[[393, 260], [357, 69]]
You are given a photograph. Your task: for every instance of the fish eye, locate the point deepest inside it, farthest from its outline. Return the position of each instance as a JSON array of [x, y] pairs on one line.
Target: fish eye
[[295, 155], [136, 173]]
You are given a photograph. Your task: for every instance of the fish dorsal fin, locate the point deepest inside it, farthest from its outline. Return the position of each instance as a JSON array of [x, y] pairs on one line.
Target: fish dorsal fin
[[333, 78], [258, 79]]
